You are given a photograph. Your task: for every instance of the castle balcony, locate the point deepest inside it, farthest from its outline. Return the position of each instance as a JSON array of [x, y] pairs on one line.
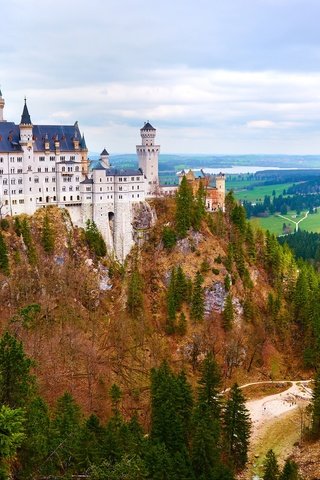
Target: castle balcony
[[67, 173]]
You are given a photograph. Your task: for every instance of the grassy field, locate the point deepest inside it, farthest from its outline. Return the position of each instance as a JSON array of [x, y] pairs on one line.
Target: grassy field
[[258, 193], [274, 223]]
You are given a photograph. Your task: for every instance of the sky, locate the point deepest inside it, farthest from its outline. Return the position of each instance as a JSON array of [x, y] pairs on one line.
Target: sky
[[212, 76]]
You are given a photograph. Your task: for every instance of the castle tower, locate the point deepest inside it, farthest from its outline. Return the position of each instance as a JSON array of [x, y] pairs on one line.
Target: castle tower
[[104, 158], [148, 154], [2, 102], [221, 188], [26, 139]]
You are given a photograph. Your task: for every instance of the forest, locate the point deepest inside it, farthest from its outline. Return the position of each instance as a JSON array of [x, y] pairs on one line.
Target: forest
[[139, 379]]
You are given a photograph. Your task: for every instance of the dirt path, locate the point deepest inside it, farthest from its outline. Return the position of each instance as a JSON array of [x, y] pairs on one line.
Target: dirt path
[[264, 410]]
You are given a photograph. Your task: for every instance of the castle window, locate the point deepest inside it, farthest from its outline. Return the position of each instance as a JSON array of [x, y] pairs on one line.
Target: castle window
[[40, 199], [62, 159], [100, 189], [77, 179], [54, 198], [120, 188], [19, 159], [5, 192], [13, 181], [46, 179], [40, 189], [132, 195], [19, 170], [5, 181], [36, 180], [64, 199], [69, 169], [20, 181], [77, 168], [77, 187], [70, 188], [138, 195], [54, 189], [14, 202], [13, 192], [39, 169], [125, 179], [100, 198], [88, 198], [78, 197], [41, 159], [29, 168], [21, 201], [20, 191], [53, 169], [137, 187], [63, 169], [63, 189], [47, 189], [120, 179], [30, 189], [53, 179], [88, 189], [6, 202], [132, 179], [120, 196], [71, 198], [12, 170], [1, 159], [132, 188], [11, 159], [137, 178], [72, 158], [1, 172], [52, 159], [46, 169]]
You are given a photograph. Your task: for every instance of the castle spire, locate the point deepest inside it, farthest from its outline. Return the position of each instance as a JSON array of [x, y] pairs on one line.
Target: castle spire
[[25, 117], [1, 106]]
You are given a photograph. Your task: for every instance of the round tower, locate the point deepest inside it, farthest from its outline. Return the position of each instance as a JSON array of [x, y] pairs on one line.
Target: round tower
[[2, 103], [148, 155]]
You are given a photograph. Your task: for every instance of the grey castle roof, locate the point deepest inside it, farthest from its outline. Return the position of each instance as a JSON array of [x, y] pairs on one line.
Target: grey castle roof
[[147, 126], [25, 117], [123, 172], [104, 152], [87, 180], [10, 137], [83, 143]]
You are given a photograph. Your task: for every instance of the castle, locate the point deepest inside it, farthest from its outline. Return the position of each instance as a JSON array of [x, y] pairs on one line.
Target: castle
[[43, 165]]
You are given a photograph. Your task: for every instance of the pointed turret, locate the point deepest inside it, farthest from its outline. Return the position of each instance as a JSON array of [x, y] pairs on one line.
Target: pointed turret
[[83, 143], [1, 107], [25, 117], [104, 158]]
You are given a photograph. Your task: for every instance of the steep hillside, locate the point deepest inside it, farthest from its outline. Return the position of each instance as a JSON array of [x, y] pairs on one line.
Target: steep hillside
[[72, 310]]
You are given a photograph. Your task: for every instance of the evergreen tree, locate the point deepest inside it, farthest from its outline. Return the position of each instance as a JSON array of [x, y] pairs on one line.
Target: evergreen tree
[[199, 207], [290, 471], [4, 259], [90, 445], [228, 313], [197, 302], [11, 437], [94, 239], [47, 235], [250, 241], [184, 205], [65, 434], [181, 288], [206, 422], [35, 447], [135, 294], [236, 428], [169, 238], [271, 468], [315, 425], [16, 381], [27, 238], [171, 304], [182, 325]]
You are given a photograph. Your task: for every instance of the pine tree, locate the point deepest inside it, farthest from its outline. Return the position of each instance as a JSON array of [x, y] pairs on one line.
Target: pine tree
[[315, 425], [171, 304], [206, 422], [180, 287], [135, 294], [197, 302], [94, 239], [199, 207], [290, 471], [182, 325], [16, 381], [11, 437], [236, 428], [271, 468], [27, 238], [47, 235], [184, 205], [228, 313], [4, 259]]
